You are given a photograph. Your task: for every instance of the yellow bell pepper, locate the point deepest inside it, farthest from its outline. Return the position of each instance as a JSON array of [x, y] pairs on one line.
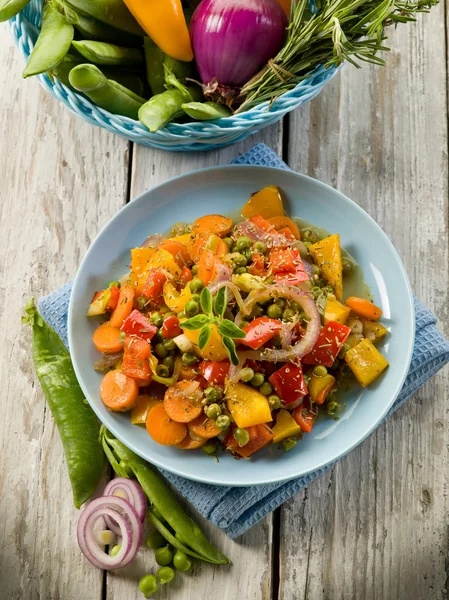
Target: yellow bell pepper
[[320, 387], [366, 362], [327, 255], [176, 301], [247, 406], [373, 330], [98, 306], [142, 407], [214, 349], [186, 239], [285, 427], [159, 259], [140, 257], [267, 202], [336, 311], [165, 24]]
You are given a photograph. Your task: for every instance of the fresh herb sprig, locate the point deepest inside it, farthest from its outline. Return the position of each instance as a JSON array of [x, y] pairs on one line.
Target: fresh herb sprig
[[214, 311]]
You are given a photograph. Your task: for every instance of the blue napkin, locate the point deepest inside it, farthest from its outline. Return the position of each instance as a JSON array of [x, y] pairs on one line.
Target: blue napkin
[[235, 510]]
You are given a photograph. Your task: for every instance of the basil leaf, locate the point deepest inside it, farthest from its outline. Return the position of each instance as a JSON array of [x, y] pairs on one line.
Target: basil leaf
[[206, 301], [230, 349], [221, 300], [230, 330], [204, 336], [195, 322]]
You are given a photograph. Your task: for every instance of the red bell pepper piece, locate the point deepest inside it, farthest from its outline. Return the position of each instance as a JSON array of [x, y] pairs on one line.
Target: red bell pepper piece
[[257, 267], [214, 372], [170, 327], [113, 300], [289, 383], [259, 436], [330, 340], [137, 324], [186, 276], [293, 276], [154, 286], [282, 260], [304, 417], [287, 232], [259, 331], [136, 356]]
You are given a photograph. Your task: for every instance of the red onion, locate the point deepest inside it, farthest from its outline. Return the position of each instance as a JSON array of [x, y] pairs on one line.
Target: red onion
[[132, 492], [153, 241], [234, 290], [233, 39], [107, 361], [256, 234]]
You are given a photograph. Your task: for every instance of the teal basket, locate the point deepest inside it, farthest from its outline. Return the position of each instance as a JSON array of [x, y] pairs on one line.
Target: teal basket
[[204, 135]]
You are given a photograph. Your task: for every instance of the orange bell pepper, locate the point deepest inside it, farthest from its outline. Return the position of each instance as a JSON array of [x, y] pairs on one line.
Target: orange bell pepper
[[165, 24], [286, 5]]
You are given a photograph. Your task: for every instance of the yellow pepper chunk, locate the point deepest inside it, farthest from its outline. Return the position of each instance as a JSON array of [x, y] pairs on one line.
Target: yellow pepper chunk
[[142, 407], [373, 330], [327, 255], [162, 259], [267, 202], [140, 257], [247, 406], [186, 239], [320, 387], [214, 349], [285, 427], [336, 311], [176, 301], [366, 362]]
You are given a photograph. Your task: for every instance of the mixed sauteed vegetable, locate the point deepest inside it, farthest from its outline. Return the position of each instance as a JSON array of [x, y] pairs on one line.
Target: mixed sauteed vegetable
[[235, 334]]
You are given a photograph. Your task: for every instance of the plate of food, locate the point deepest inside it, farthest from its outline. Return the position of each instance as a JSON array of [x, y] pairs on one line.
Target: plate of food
[[241, 325]]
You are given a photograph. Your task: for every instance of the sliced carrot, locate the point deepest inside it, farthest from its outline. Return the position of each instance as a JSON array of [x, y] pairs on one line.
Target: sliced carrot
[[107, 339], [118, 391], [142, 407], [198, 246], [164, 430], [178, 251], [217, 224], [190, 444], [282, 222], [124, 306], [136, 359], [203, 427], [364, 308], [207, 266], [182, 401]]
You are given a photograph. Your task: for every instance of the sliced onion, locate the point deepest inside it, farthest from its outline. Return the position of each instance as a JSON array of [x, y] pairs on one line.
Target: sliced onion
[[223, 273], [128, 522], [256, 234], [107, 361], [153, 241], [236, 292], [183, 343], [131, 491], [286, 334]]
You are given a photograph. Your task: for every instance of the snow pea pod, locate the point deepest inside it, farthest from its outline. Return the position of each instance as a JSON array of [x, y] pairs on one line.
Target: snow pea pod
[[77, 424], [104, 92], [10, 8], [103, 53], [111, 12], [52, 44], [206, 111], [92, 29], [158, 64]]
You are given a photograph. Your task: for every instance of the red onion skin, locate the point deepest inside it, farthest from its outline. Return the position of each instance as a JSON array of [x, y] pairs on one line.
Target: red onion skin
[[233, 39]]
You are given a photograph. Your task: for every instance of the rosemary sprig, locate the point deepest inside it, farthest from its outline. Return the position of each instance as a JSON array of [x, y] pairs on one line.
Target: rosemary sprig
[[336, 31]]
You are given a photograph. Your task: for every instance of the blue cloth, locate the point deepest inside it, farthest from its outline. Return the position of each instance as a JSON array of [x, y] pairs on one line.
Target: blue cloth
[[235, 510]]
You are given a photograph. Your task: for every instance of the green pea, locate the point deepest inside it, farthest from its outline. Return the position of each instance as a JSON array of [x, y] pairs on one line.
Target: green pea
[[248, 255], [141, 302], [316, 270], [257, 380], [274, 402], [274, 311], [213, 411], [194, 270], [288, 444], [168, 362], [212, 394], [281, 302], [246, 374], [288, 314], [320, 371], [229, 242], [295, 306], [332, 408], [348, 265], [189, 359], [163, 556], [241, 270], [240, 260], [158, 337], [170, 345], [115, 550], [192, 308], [257, 311], [161, 350], [196, 285], [155, 540], [310, 236], [196, 297], [157, 319], [181, 561], [209, 447], [242, 243], [165, 575], [182, 315], [266, 388], [241, 436], [345, 348], [148, 585], [260, 248], [163, 371], [223, 422]]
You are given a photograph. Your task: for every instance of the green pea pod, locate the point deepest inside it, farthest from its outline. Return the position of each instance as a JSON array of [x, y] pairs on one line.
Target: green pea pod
[[61, 71], [52, 44], [102, 53], [104, 92], [77, 424], [163, 499], [10, 8], [206, 111], [92, 29], [154, 63], [111, 12]]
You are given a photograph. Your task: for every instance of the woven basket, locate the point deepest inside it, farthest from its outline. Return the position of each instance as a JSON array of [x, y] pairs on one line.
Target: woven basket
[[175, 137]]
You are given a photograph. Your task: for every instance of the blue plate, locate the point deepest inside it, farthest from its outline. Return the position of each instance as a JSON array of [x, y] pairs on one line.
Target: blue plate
[[225, 190]]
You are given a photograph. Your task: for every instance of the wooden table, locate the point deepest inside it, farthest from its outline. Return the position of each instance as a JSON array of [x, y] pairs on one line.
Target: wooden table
[[374, 527]]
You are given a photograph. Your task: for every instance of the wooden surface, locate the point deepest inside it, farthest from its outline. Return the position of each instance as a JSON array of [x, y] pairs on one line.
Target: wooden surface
[[376, 527]]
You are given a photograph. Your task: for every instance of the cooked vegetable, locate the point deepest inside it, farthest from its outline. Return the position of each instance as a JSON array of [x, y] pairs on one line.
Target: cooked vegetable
[[163, 429], [268, 203], [142, 407], [327, 255], [282, 222], [373, 330], [124, 306], [285, 427], [107, 339], [259, 437], [136, 363], [118, 392], [336, 311], [320, 387], [366, 362], [182, 402], [330, 340], [247, 406], [364, 308], [212, 224], [304, 417], [290, 385]]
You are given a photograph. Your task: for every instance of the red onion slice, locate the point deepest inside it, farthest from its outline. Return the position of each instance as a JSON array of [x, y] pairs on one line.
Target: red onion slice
[[107, 361], [128, 522], [256, 234], [131, 491], [153, 241], [235, 291]]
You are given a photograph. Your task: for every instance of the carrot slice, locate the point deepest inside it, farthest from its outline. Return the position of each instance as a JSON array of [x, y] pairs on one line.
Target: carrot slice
[[203, 427], [107, 339], [281, 222], [217, 224], [182, 401], [189, 444], [118, 392], [124, 306], [364, 308], [162, 429], [178, 251]]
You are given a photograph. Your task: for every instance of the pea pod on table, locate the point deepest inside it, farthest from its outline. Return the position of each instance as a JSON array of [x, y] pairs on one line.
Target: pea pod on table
[[103, 53], [10, 8], [77, 424]]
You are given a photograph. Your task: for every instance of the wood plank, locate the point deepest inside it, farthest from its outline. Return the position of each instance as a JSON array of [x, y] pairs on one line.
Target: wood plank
[[250, 575], [61, 181], [376, 526]]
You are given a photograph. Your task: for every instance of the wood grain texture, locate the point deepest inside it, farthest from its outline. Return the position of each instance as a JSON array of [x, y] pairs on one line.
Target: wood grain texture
[[61, 180], [376, 526]]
